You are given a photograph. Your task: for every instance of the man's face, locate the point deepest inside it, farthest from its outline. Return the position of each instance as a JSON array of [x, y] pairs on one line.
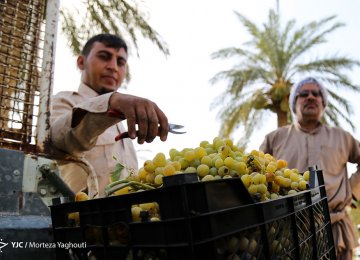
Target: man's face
[[309, 103], [104, 68]]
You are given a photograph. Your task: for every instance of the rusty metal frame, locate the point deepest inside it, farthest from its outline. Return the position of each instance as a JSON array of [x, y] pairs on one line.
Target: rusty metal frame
[[47, 76], [27, 53]]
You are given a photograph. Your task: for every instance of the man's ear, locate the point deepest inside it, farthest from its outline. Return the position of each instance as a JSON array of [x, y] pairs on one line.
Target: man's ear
[[81, 62]]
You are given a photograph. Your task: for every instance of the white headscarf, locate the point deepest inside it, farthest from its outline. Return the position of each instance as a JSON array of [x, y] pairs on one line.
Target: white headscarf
[[296, 89]]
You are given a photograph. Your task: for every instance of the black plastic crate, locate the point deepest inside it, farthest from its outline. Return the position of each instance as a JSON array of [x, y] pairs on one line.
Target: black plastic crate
[[199, 220]]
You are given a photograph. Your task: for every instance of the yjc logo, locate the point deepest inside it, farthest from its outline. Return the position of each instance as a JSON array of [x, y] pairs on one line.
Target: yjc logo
[[2, 245]]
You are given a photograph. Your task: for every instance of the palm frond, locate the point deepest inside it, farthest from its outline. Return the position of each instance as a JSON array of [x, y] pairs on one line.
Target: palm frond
[[228, 52], [250, 26], [120, 17]]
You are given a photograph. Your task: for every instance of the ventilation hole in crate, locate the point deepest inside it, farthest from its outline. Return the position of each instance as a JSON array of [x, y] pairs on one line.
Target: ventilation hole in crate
[[73, 219], [145, 212], [322, 241], [246, 244], [94, 235], [303, 224], [325, 257], [280, 236], [118, 234], [319, 217], [306, 250]]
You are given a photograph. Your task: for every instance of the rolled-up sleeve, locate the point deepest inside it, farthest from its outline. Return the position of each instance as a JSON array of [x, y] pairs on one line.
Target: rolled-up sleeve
[[75, 127]]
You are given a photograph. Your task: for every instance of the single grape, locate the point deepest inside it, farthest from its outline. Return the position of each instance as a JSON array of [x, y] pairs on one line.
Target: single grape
[[177, 165], [159, 160], [229, 162], [210, 150], [287, 173], [295, 177], [217, 142], [142, 174], [306, 175], [200, 152], [206, 160], [204, 144], [135, 213], [150, 178], [271, 167], [270, 177], [292, 192], [195, 163], [262, 188], [202, 170], [208, 178], [190, 170], [158, 179], [184, 163], [243, 243], [228, 142], [258, 178], [149, 166], [281, 164], [223, 170], [173, 153], [189, 155], [213, 171], [224, 150], [252, 189], [246, 179], [241, 168], [219, 163], [159, 170], [274, 196], [233, 244], [302, 185], [254, 153], [169, 170], [294, 185]]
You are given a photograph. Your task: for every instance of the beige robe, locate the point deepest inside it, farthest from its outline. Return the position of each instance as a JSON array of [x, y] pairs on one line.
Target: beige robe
[[330, 148], [81, 128]]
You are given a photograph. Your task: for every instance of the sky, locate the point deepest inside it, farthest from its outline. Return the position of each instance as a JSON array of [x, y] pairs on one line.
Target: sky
[[179, 83]]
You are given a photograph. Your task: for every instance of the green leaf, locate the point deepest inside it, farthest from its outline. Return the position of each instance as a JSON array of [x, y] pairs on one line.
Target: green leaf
[[115, 175]]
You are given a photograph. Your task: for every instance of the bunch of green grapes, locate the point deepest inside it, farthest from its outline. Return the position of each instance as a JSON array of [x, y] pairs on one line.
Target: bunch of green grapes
[[264, 176], [271, 178]]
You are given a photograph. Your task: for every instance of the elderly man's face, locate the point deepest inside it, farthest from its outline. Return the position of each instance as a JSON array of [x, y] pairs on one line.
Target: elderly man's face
[[309, 102]]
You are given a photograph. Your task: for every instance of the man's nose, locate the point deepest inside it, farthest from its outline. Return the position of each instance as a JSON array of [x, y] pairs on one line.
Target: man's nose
[[311, 95], [112, 64]]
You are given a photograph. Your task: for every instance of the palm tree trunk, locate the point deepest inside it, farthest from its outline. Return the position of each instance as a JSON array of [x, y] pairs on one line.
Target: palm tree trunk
[[281, 118]]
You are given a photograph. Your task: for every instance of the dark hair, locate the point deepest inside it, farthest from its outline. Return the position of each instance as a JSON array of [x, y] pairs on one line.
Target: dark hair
[[109, 40]]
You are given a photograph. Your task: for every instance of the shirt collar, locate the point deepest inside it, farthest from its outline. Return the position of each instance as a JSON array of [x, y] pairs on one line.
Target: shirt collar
[[87, 91], [312, 132]]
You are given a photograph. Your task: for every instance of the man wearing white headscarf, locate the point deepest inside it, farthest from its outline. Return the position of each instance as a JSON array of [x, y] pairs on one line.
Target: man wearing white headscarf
[[308, 142]]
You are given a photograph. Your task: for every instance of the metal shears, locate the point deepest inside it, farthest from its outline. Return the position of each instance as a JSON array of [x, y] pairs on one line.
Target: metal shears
[[173, 128]]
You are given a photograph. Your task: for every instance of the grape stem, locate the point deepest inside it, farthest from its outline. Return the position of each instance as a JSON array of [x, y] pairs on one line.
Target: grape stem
[[118, 185]]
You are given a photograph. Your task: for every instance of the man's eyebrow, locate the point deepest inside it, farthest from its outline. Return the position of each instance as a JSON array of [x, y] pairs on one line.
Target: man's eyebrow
[[104, 51], [121, 57]]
